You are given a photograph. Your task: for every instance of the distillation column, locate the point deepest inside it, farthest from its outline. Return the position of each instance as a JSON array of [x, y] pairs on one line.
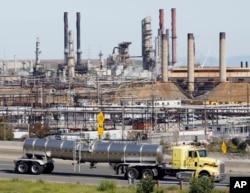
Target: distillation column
[[37, 66], [71, 56], [147, 51]]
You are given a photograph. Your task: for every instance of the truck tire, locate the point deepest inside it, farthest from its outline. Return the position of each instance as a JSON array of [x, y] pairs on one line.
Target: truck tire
[[132, 173], [204, 175], [36, 168], [147, 173], [22, 168], [48, 168]]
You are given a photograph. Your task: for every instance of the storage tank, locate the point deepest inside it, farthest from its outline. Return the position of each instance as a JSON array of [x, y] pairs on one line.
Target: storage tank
[[85, 151]]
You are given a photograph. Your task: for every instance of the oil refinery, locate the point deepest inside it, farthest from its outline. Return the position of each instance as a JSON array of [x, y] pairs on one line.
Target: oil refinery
[[68, 93]]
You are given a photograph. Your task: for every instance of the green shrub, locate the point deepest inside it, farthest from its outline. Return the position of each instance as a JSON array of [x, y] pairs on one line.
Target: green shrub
[[145, 186], [242, 146], [107, 185], [198, 185], [172, 188], [231, 148], [160, 191]]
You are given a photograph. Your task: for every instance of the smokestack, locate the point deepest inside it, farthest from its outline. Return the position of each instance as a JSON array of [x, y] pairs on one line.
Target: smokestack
[[173, 11], [167, 33], [161, 21], [66, 29], [164, 58], [190, 62], [78, 18], [222, 57]]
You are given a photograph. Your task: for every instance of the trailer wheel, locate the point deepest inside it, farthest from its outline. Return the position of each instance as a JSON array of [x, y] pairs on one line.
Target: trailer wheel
[[48, 168], [22, 168], [36, 168], [132, 173], [147, 173]]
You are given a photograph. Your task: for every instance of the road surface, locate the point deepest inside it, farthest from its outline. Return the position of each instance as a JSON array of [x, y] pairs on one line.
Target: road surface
[[65, 172]]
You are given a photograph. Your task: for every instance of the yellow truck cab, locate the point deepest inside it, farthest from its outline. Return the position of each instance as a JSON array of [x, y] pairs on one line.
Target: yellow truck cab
[[193, 161]]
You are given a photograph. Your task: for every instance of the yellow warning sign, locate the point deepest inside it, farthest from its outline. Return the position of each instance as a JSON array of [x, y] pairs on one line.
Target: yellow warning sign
[[100, 130], [224, 147], [100, 118]]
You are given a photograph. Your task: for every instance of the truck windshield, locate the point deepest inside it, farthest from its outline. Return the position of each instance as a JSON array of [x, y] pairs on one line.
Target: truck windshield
[[202, 153]]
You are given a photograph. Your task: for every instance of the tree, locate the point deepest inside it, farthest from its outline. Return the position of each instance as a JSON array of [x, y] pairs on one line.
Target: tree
[[6, 132], [242, 146], [39, 130], [236, 141]]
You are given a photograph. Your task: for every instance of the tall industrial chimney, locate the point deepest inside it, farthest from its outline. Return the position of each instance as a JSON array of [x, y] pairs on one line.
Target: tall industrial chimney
[[173, 12], [164, 58], [78, 38], [222, 57], [190, 63], [66, 31], [161, 21]]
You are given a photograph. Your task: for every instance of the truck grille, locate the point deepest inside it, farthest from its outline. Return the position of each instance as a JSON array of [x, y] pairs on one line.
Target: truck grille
[[222, 168]]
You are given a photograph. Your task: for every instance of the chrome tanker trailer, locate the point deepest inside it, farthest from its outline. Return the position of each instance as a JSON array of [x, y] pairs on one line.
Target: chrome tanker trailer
[[131, 159]]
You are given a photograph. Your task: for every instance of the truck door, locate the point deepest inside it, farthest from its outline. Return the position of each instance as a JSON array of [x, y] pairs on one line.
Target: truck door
[[192, 160]]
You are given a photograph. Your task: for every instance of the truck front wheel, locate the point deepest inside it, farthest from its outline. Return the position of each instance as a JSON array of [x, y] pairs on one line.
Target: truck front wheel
[[204, 175], [22, 168], [36, 168]]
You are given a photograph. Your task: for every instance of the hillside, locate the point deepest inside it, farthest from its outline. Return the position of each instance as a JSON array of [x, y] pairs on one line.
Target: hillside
[[163, 91]]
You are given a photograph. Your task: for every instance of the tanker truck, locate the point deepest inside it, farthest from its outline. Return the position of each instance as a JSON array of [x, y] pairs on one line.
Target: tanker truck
[[131, 159], [134, 161]]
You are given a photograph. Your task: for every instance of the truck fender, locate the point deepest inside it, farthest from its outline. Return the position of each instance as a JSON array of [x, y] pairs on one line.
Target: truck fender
[[155, 171]]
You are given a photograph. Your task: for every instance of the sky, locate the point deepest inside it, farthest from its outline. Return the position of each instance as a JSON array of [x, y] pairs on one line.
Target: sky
[[105, 24]]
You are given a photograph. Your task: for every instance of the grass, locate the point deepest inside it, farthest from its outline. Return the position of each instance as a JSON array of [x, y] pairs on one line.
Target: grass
[[40, 186], [106, 186]]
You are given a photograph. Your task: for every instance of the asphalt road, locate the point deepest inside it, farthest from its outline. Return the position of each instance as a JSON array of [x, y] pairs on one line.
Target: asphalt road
[[65, 172]]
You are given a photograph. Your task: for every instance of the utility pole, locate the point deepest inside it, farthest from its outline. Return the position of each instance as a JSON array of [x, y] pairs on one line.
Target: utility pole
[[205, 117], [123, 126]]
